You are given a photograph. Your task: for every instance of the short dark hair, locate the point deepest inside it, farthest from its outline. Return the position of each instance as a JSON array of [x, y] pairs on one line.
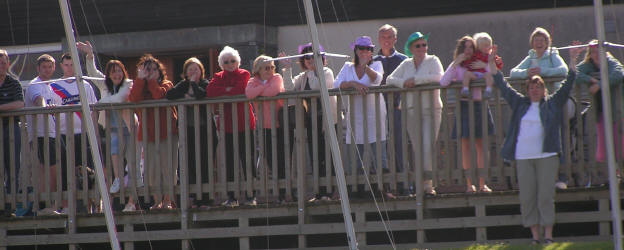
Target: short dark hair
[[44, 58], [65, 56]]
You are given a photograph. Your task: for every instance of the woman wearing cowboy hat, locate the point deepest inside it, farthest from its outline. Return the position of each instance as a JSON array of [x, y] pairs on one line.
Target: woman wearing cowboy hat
[[421, 68]]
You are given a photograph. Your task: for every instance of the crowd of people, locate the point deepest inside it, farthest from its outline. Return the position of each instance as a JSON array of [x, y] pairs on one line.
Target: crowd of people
[[532, 139]]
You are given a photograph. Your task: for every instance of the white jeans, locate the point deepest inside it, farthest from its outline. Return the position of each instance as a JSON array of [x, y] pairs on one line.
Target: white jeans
[[430, 126]]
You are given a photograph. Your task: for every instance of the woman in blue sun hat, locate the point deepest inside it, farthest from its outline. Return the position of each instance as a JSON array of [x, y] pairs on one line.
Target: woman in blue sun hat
[[421, 68]]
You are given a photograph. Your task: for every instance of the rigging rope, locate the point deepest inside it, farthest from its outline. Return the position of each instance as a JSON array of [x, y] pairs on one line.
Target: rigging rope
[[10, 22], [27, 39], [617, 31]]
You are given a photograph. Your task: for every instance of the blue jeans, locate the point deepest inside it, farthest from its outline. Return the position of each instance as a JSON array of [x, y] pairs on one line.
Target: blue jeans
[[7, 155]]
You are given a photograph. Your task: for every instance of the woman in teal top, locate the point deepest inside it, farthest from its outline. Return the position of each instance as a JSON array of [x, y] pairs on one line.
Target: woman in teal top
[[591, 64], [542, 60]]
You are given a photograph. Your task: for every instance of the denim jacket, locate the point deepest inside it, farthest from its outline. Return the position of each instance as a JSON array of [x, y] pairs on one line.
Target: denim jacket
[[551, 114]]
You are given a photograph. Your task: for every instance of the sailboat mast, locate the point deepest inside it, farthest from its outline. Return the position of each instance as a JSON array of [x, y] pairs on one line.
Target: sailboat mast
[[330, 133], [86, 119], [614, 190]]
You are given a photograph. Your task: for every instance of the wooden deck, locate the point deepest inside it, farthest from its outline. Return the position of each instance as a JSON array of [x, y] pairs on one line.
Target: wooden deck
[[449, 220]]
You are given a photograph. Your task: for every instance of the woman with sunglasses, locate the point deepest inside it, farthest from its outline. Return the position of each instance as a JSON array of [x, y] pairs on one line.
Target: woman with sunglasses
[[265, 82], [308, 80], [232, 81], [421, 68], [533, 141], [591, 65], [360, 74], [152, 84]]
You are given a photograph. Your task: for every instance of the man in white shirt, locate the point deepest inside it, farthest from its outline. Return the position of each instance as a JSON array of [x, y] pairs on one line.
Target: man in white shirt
[[41, 95], [67, 92]]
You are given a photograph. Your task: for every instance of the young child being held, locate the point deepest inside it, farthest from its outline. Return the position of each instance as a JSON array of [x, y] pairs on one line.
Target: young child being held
[[475, 71]]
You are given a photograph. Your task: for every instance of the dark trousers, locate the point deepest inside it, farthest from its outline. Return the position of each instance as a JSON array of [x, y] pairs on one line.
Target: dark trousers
[[7, 155], [268, 151], [230, 157], [191, 137], [78, 150], [320, 135]]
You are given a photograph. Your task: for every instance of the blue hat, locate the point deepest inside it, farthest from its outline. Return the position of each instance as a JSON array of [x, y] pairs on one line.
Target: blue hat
[[413, 37]]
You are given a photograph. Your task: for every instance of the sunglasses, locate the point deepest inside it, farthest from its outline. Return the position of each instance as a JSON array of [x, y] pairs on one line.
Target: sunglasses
[[364, 48], [269, 68], [424, 45], [230, 61], [307, 57]]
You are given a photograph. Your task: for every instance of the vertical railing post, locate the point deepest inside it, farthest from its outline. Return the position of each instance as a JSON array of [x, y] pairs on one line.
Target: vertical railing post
[[183, 150]]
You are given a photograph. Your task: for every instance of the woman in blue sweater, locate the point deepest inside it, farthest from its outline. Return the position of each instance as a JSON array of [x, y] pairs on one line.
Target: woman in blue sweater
[[533, 141]]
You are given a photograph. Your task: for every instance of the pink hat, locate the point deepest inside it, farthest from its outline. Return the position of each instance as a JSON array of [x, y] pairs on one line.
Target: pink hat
[[364, 41], [303, 46]]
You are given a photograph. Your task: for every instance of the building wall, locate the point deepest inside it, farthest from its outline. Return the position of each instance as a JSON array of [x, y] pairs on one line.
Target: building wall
[[510, 30]]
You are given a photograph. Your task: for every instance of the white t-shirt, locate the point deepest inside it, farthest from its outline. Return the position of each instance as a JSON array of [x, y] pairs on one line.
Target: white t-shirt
[[35, 90], [531, 135], [347, 73], [68, 93]]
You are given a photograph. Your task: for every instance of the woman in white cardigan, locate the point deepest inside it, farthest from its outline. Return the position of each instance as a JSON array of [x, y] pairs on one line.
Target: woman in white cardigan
[[360, 74], [420, 69], [115, 88]]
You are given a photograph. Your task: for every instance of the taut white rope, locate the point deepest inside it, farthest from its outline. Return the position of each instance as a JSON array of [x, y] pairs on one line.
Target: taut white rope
[[308, 54], [72, 78]]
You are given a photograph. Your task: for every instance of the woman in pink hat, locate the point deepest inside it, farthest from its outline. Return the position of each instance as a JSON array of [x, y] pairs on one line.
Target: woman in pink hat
[[308, 80], [360, 74]]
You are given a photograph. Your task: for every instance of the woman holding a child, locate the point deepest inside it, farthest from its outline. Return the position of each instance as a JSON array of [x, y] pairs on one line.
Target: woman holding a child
[[456, 72]]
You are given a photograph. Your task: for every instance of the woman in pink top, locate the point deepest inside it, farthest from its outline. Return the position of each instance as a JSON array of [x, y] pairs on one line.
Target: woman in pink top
[[455, 72], [265, 82]]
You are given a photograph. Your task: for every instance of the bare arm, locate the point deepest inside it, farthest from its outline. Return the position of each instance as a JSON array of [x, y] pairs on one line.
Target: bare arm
[[12, 105]]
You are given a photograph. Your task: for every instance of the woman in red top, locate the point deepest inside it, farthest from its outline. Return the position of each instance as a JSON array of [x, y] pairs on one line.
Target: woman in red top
[[151, 84], [230, 82]]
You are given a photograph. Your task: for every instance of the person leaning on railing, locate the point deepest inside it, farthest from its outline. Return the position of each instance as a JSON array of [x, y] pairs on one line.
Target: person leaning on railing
[[589, 65], [533, 141], [115, 88], [41, 95], [232, 81], [308, 80], [151, 84], [193, 86], [265, 82], [421, 68], [455, 72], [11, 98]]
